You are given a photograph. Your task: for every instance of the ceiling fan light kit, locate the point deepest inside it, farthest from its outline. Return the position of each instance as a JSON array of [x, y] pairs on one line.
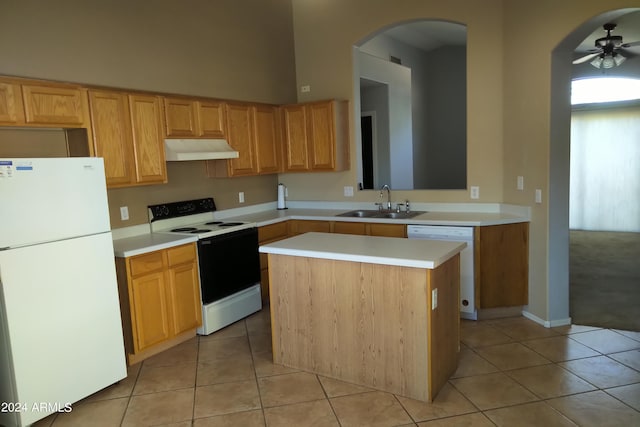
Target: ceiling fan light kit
[[608, 51]]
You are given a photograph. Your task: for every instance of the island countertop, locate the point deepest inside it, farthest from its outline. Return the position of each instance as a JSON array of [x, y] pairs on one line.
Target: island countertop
[[368, 249]]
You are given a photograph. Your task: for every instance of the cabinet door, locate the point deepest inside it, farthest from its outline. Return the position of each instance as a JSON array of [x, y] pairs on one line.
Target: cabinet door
[[148, 139], [11, 109], [184, 291], [112, 138], [322, 144], [241, 138], [150, 310], [212, 119], [181, 117], [266, 139], [53, 105], [358, 228], [387, 230], [295, 138], [305, 226]]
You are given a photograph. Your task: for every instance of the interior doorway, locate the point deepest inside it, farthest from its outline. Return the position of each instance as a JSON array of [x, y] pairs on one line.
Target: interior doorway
[[369, 147]]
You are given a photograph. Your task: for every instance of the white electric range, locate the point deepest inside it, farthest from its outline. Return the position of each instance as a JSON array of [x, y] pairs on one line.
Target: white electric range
[[228, 260]]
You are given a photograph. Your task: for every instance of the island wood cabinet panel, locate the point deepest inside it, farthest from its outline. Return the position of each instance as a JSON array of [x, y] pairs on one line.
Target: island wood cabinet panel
[[502, 265], [127, 133], [267, 234], [316, 136], [159, 300], [11, 108], [194, 118]]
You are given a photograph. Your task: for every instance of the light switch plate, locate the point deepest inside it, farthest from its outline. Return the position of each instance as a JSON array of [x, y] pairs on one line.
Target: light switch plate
[[538, 195], [475, 192], [124, 213], [434, 299], [241, 197], [520, 183], [348, 191]]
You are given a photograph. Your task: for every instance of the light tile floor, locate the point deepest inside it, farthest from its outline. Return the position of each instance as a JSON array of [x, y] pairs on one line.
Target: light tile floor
[[512, 372]]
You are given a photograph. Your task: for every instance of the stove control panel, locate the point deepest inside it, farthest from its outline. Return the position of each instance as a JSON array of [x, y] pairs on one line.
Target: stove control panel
[[177, 209]]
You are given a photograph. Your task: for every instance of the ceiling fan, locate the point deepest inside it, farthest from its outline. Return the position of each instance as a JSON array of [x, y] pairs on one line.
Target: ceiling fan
[[609, 51]]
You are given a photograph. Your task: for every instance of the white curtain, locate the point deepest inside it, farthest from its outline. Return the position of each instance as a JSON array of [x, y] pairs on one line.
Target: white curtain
[[605, 169]]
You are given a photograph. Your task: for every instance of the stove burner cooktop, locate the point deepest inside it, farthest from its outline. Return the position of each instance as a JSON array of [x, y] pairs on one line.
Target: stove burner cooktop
[[183, 229], [213, 223], [200, 230], [230, 224]]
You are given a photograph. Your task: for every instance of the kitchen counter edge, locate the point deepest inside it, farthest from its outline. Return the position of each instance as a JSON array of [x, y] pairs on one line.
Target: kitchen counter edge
[[149, 242]]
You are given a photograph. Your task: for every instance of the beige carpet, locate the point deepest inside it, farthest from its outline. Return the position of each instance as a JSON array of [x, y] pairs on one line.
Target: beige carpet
[[604, 277]]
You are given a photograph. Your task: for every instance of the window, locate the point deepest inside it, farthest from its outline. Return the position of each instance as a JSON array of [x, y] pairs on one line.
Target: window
[[604, 89]]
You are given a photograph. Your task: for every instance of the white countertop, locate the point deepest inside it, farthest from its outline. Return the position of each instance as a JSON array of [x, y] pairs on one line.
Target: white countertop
[[428, 218], [369, 249], [149, 242]]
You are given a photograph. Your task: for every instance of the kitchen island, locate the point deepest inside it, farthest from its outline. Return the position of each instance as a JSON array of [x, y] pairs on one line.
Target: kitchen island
[[375, 311]]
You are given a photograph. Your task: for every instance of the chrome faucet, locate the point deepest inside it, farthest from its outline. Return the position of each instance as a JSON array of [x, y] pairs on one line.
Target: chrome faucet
[[386, 187]]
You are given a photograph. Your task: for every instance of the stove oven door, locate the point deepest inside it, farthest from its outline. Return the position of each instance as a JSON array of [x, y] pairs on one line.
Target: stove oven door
[[228, 263]]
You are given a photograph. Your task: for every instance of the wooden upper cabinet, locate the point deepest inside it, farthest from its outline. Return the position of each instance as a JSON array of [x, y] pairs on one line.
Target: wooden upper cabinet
[[194, 118], [316, 136], [52, 105], [11, 108], [267, 138], [295, 138], [112, 137], [148, 138], [240, 135]]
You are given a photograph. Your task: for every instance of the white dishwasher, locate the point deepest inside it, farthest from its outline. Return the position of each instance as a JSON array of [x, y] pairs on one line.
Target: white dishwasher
[[455, 234]]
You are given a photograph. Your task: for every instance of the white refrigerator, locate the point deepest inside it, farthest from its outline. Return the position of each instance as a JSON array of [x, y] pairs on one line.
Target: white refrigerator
[[60, 327]]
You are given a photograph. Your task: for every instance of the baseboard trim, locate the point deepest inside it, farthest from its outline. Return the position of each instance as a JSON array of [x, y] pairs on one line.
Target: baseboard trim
[[546, 323]]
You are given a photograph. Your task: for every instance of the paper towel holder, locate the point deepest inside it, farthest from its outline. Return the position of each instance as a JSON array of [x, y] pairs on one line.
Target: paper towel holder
[[282, 204]]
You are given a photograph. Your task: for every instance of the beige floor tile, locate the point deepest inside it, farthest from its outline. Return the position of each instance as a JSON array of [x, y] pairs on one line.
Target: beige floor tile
[[602, 371], [492, 391], [520, 328], [573, 329], [264, 366], [159, 408], [529, 415], [629, 394], [483, 335], [235, 330], [153, 379], [635, 335], [182, 353], [470, 364], [470, 420], [227, 370], [317, 413], [260, 342], [108, 412], [219, 399], [511, 356], [335, 388], [560, 348], [596, 409], [223, 348], [448, 402], [244, 419], [629, 358], [289, 388], [549, 381], [260, 322], [371, 409], [606, 341], [123, 388]]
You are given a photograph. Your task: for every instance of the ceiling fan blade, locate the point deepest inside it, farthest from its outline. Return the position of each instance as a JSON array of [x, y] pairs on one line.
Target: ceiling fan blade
[[586, 58], [631, 44], [627, 53]]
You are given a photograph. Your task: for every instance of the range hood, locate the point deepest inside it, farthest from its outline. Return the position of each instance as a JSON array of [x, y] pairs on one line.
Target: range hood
[[180, 150]]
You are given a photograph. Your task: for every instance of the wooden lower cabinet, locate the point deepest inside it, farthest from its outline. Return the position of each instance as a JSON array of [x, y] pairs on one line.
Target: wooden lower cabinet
[[159, 300], [502, 265]]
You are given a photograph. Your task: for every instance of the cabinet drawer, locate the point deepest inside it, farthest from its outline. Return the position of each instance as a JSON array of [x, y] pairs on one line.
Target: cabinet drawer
[[181, 254], [147, 263], [272, 231]]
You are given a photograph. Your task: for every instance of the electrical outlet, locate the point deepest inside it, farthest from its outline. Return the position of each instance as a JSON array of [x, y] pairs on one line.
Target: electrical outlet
[[434, 299], [538, 195], [124, 213], [241, 197], [348, 191], [305, 89], [520, 184], [475, 192]]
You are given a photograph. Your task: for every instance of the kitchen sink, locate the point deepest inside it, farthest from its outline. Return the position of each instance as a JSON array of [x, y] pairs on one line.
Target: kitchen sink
[[361, 213], [364, 213]]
